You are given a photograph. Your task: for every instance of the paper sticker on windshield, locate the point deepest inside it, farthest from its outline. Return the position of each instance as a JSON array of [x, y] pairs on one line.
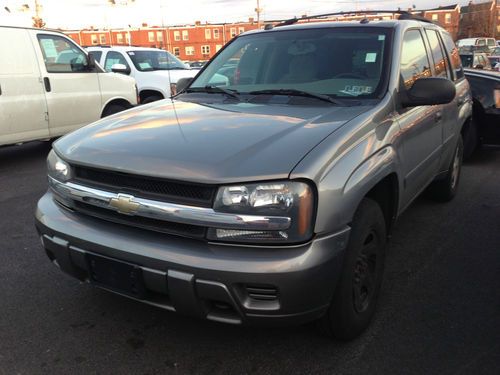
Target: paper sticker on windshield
[[145, 65], [371, 57], [131, 53], [49, 47], [356, 90], [381, 37]]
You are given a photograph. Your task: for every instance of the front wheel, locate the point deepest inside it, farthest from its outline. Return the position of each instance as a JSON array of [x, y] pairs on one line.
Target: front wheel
[[355, 298], [112, 109]]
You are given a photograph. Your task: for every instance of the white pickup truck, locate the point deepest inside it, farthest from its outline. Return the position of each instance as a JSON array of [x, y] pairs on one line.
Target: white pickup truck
[[156, 71], [49, 86]]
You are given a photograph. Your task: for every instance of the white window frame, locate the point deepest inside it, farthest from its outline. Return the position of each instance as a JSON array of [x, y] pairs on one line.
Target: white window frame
[[176, 51], [216, 34], [119, 38], [189, 50], [241, 30], [94, 40], [177, 35], [102, 39], [447, 18], [218, 47], [435, 17], [151, 37], [233, 32], [159, 36], [205, 50], [185, 35], [208, 34]]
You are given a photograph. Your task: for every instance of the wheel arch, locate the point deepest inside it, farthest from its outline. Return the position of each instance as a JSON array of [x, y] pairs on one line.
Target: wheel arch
[[116, 101], [145, 93]]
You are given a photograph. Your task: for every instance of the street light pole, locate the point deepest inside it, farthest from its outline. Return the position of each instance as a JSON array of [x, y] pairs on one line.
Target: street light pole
[[258, 10]]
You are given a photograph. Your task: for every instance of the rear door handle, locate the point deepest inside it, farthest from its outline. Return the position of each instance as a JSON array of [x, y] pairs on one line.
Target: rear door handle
[[46, 82], [0, 89]]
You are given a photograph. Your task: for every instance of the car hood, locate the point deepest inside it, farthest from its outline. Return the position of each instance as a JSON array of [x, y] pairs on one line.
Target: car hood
[[171, 75], [209, 143]]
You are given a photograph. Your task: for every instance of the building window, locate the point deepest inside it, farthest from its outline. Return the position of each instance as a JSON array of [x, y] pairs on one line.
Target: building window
[[241, 30], [208, 34], [102, 38], [233, 32], [205, 50], [185, 35], [189, 51], [435, 17], [218, 47], [447, 18], [127, 37], [216, 33], [177, 51], [93, 38], [151, 36], [177, 35], [119, 38], [159, 36]]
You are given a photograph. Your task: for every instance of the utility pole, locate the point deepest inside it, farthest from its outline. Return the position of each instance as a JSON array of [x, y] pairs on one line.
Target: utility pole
[[258, 10], [37, 20]]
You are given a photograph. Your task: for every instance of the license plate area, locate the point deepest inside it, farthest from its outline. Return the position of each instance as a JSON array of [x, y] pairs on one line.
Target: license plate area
[[116, 275]]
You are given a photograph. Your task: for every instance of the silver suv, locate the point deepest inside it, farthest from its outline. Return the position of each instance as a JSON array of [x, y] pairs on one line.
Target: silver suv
[[265, 191]]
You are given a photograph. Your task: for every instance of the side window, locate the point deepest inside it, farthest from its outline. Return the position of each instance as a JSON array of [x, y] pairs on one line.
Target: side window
[[440, 63], [113, 58], [456, 63], [414, 60], [481, 42], [61, 55], [97, 55]]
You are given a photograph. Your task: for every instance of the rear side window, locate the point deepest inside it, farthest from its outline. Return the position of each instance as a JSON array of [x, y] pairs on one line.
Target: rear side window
[[414, 60], [60, 55], [440, 62], [455, 61], [96, 54]]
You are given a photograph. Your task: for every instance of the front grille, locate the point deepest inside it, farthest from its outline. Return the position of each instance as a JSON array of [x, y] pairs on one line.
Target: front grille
[[147, 187], [185, 230]]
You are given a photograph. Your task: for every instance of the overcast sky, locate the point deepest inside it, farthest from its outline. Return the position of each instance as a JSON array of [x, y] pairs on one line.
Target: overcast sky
[[75, 14]]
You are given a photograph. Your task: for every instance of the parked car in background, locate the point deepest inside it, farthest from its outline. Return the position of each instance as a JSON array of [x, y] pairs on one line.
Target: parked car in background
[[266, 196], [156, 71], [474, 59], [49, 86], [485, 127], [197, 64], [480, 44], [495, 59]]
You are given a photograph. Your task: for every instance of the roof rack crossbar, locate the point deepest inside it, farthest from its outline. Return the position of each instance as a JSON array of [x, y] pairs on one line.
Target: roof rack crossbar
[[403, 15]]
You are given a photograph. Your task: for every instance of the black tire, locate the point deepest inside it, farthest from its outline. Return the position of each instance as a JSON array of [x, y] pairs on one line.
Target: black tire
[[112, 109], [151, 99], [444, 190], [356, 294], [470, 139]]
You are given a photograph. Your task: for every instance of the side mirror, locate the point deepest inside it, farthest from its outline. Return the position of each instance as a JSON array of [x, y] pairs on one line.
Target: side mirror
[[182, 84], [120, 68], [429, 91], [91, 62]]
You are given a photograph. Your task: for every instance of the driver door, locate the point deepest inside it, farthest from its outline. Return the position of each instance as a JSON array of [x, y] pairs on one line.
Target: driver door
[[71, 88]]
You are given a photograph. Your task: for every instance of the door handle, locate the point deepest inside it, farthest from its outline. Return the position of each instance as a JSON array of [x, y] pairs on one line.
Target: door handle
[[438, 117], [0, 89], [46, 82]]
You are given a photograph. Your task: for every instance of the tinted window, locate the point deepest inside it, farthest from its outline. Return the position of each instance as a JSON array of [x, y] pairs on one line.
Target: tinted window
[[347, 62], [113, 58], [453, 55], [61, 56], [414, 61], [97, 55], [440, 62]]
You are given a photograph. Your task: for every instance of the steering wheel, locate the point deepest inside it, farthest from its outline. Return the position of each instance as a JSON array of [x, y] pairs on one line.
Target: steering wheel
[[349, 75]]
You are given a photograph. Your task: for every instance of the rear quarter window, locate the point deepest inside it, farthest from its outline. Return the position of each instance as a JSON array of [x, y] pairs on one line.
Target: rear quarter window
[[454, 56]]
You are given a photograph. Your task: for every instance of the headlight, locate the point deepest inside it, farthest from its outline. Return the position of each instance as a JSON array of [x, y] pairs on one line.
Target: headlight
[[282, 198], [58, 168]]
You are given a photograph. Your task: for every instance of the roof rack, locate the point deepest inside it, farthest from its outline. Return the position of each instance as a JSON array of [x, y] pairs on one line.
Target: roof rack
[[404, 15]]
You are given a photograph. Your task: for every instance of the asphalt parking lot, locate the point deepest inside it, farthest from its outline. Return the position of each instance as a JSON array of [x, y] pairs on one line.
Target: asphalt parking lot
[[439, 311]]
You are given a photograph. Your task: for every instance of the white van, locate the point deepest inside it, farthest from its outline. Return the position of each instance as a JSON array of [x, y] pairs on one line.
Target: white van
[[156, 71], [49, 86], [486, 43]]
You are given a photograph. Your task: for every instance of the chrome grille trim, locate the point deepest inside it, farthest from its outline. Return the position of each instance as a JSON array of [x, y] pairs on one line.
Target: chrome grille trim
[[176, 213]]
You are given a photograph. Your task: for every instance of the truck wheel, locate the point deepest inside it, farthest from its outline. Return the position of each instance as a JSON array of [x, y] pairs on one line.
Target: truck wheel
[[112, 109], [356, 294], [151, 99], [445, 189]]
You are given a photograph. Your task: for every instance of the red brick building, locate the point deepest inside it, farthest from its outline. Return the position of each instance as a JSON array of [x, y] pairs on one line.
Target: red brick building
[[190, 42], [447, 17], [480, 19]]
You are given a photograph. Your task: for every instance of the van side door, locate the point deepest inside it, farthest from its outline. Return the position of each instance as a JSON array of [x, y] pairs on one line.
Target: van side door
[[421, 126], [23, 109], [72, 88]]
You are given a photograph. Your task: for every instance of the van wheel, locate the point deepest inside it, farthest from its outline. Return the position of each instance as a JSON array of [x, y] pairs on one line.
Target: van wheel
[[151, 99], [112, 109], [356, 294], [445, 189]]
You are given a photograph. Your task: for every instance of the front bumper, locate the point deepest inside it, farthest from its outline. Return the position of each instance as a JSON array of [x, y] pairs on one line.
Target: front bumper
[[226, 283]]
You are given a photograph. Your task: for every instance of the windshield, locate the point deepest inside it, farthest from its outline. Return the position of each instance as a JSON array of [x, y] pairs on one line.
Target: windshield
[[344, 62], [145, 61]]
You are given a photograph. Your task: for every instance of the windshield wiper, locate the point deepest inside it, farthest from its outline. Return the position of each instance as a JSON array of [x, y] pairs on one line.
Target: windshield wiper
[[216, 90], [294, 92]]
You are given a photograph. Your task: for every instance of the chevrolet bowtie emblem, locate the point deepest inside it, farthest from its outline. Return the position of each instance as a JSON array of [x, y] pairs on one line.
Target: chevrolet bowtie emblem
[[124, 204]]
